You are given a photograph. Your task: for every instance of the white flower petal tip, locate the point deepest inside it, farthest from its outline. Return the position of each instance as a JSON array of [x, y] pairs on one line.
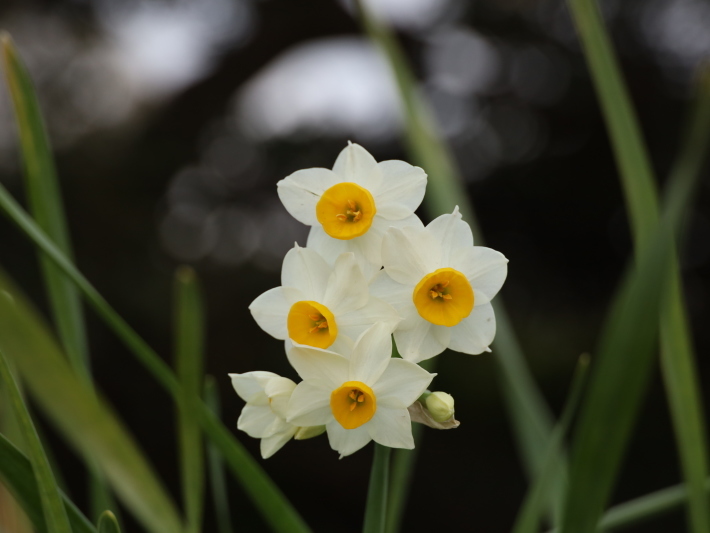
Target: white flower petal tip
[[267, 396]]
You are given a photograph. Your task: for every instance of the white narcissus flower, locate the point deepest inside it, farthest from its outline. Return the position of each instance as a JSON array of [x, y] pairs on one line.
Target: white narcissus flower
[[361, 398], [441, 285], [264, 416], [351, 206], [321, 305]]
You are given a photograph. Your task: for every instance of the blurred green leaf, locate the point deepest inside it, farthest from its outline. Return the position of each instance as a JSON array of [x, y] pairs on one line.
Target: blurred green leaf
[[17, 475], [218, 482], [189, 342], [108, 523], [532, 509], [45, 202], [45, 205], [86, 421], [266, 496], [377, 489], [531, 418], [55, 516], [677, 358]]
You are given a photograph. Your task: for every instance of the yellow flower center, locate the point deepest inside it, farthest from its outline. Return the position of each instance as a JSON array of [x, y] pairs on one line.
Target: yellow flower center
[[312, 324], [346, 211], [444, 297], [353, 404]]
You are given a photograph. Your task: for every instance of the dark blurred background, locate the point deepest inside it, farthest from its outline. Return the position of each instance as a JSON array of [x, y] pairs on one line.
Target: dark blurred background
[[172, 121]]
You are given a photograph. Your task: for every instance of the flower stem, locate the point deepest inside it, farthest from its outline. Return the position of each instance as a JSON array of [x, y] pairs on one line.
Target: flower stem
[[376, 510]]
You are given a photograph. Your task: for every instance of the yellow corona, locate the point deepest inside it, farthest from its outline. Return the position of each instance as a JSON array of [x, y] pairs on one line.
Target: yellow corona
[[312, 324], [346, 211], [353, 404], [444, 297]]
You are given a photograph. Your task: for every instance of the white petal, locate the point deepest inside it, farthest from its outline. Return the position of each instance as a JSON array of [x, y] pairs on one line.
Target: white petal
[[343, 344], [346, 441], [355, 164], [442, 334], [347, 287], [330, 249], [301, 191], [391, 427], [305, 270], [401, 191], [278, 391], [256, 420], [250, 385], [314, 363], [474, 333], [486, 270], [354, 323], [310, 404], [418, 343], [397, 295], [271, 445], [452, 234], [372, 353], [270, 310], [401, 384], [409, 254]]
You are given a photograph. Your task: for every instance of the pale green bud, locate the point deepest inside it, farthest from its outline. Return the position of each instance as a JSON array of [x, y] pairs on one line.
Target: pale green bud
[[309, 432], [440, 405]]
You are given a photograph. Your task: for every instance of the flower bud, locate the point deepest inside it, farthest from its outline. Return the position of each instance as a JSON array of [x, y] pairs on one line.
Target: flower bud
[[309, 432], [440, 405]]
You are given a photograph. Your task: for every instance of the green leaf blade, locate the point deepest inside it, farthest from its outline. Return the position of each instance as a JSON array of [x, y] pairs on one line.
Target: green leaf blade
[[55, 516], [83, 418], [189, 341], [17, 475]]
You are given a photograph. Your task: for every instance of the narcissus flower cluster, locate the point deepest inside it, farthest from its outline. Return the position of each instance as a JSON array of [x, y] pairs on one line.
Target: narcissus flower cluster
[[371, 271]]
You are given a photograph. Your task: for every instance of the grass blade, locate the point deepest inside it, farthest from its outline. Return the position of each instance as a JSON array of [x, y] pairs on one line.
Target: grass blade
[[376, 507], [108, 523], [529, 414], [620, 376], [87, 422], [45, 204], [189, 342], [17, 475], [218, 482], [266, 496], [528, 520], [55, 516], [677, 358]]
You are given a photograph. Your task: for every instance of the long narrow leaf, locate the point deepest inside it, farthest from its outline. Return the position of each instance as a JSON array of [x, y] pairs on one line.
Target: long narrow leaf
[[52, 506], [189, 325], [677, 358], [86, 421], [218, 482], [17, 475], [46, 207], [619, 378], [266, 496], [531, 512], [529, 414]]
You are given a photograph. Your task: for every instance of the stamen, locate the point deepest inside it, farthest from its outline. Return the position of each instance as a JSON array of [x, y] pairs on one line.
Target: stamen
[[315, 318], [352, 205], [352, 406], [447, 297], [341, 217], [361, 398]]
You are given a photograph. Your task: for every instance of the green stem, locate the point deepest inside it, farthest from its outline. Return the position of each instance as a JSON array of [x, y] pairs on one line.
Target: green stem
[[402, 473], [376, 510]]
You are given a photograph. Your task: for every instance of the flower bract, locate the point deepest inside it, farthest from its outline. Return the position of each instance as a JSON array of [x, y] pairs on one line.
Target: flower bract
[[361, 398], [350, 207], [321, 305], [441, 285]]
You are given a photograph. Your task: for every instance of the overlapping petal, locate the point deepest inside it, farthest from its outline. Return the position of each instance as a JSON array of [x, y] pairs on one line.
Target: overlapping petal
[[316, 364], [402, 189], [371, 355], [305, 270], [474, 334], [392, 427], [452, 234], [346, 289], [409, 254], [270, 445], [486, 269], [347, 441], [310, 404], [401, 384], [355, 164], [250, 386]]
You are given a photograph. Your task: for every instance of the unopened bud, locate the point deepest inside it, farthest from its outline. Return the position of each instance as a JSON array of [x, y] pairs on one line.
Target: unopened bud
[[440, 405], [309, 432]]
